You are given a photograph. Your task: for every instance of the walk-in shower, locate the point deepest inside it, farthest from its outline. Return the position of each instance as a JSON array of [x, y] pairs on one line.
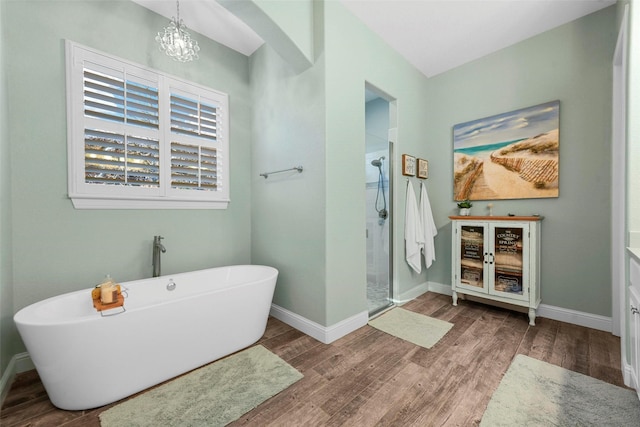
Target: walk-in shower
[[383, 213], [379, 209]]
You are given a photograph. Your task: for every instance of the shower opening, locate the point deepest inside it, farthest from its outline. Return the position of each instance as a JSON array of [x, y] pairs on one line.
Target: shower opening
[[379, 196]]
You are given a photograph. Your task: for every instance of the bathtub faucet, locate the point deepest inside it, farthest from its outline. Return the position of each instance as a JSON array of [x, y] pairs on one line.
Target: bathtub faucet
[[158, 248]]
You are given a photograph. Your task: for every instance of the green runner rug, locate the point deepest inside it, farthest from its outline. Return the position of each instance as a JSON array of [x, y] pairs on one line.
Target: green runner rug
[[213, 395]]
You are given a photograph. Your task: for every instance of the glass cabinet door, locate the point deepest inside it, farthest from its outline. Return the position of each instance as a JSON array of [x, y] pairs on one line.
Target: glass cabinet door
[[509, 276], [472, 257], [497, 259]]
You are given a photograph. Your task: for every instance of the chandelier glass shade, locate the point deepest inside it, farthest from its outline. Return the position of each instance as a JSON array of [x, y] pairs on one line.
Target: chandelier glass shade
[[176, 41]]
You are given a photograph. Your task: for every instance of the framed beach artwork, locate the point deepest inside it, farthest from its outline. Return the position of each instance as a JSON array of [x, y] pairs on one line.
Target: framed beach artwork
[[508, 156]]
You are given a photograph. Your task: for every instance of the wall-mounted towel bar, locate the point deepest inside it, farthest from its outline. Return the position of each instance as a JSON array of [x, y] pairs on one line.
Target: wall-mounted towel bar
[[295, 168]]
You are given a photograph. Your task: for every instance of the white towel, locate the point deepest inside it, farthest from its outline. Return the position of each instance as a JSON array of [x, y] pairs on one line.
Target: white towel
[[429, 229], [413, 234]]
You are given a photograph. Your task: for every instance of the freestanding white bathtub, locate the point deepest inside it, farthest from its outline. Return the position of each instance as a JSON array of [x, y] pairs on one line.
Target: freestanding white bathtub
[[86, 360]]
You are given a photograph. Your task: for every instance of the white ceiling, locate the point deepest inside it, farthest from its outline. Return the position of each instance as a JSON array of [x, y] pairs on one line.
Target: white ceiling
[[208, 18], [433, 35]]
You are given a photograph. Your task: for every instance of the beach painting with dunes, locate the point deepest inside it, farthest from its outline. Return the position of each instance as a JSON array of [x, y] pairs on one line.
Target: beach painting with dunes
[[508, 156]]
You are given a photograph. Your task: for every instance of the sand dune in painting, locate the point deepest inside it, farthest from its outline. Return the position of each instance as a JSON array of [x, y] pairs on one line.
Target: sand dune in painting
[[525, 169]]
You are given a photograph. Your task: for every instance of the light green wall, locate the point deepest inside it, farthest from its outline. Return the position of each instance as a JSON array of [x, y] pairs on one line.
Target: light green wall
[[7, 329], [353, 58], [295, 19], [288, 210], [377, 126], [56, 248], [312, 226], [285, 25], [572, 64]]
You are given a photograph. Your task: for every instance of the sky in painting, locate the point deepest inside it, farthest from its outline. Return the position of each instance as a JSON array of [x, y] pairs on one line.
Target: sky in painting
[[511, 126]]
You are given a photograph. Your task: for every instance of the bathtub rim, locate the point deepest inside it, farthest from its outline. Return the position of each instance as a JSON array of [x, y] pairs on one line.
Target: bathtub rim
[[19, 316]]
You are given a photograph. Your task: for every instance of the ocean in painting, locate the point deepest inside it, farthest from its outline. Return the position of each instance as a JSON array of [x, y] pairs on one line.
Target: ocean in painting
[[485, 149]]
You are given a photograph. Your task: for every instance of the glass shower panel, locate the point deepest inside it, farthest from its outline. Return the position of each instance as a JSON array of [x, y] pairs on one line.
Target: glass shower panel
[[378, 242], [379, 194]]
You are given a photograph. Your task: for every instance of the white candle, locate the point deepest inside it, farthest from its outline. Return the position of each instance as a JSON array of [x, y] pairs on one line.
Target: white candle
[[108, 293]]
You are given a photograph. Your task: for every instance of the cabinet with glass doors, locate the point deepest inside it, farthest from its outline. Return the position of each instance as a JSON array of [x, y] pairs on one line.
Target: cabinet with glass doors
[[497, 259]]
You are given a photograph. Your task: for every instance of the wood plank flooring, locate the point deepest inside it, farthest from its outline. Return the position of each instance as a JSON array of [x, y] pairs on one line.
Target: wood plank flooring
[[370, 378]]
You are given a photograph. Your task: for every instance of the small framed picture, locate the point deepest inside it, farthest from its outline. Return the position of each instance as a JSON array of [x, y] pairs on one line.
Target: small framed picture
[[408, 165], [423, 169]]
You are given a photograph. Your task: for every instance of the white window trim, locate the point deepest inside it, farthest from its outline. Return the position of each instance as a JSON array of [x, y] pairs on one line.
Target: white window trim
[[92, 196]]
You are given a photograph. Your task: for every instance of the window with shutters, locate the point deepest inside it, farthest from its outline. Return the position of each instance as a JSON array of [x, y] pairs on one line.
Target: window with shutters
[[138, 138]]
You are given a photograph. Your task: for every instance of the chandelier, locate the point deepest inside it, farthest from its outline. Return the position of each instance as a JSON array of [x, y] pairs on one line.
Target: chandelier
[[176, 41]]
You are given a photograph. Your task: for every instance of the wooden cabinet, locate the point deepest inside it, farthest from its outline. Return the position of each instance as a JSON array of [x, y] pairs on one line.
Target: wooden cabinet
[[497, 259]]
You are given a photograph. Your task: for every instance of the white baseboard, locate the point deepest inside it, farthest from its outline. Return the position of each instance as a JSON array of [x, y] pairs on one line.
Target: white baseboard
[[328, 334], [629, 379], [421, 289], [580, 318], [440, 288], [594, 321], [627, 376], [324, 334], [411, 294], [19, 363]]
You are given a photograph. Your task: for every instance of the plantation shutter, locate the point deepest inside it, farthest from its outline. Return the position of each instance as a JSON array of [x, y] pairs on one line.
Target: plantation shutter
[[121, 135], [142, 139], [194, 134], [192, 117]]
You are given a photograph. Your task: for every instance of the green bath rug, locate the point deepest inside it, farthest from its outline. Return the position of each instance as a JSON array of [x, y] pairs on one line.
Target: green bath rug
[[536, 393], [416, 328], [213, 395]]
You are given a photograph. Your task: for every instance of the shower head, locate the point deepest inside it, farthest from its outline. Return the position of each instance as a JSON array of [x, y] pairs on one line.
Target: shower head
[[377, 162]]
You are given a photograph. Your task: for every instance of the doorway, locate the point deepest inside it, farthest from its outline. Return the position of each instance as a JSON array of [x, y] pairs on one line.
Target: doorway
[[379, 200]]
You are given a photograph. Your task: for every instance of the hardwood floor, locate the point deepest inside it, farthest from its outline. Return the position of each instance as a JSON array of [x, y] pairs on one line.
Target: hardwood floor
[[370, 378]]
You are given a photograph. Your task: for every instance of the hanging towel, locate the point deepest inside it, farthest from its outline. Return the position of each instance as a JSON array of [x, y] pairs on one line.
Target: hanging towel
[[413, 234], [429, 229]]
